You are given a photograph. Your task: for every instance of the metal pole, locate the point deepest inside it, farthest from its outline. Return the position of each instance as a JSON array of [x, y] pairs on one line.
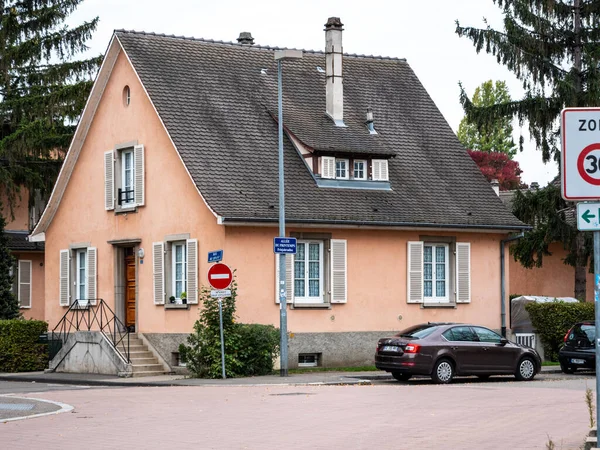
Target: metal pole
[[596, 300], [222, 340], [282, 288]]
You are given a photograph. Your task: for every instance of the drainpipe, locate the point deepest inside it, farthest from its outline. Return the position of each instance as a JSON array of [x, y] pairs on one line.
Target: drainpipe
[[502, 277]]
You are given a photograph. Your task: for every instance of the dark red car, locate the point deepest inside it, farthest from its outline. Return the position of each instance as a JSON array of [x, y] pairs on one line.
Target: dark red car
[[443, 350]]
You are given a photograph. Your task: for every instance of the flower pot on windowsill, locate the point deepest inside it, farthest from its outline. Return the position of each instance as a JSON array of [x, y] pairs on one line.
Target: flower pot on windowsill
[[183, 298], [172, 299]]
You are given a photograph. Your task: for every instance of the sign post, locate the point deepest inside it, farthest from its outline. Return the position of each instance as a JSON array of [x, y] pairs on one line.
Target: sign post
[[580, 181], [220, 277]]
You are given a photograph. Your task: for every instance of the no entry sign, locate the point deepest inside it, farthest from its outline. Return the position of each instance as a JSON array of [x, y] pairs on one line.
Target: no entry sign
[[220, 276], [580, 160]]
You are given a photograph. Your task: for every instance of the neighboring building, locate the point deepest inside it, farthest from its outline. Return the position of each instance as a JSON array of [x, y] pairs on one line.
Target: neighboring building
[[553, 279], [176, 155], [28, 272]]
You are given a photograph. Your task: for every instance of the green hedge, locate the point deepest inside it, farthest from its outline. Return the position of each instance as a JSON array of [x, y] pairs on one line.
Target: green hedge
[[259, 344], [20, 350], [552, 321]]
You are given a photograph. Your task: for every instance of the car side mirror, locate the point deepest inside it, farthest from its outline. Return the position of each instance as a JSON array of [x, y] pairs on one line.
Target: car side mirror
[[503, 341]]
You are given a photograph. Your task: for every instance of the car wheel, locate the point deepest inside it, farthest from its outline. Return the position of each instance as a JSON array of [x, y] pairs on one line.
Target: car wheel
[[443, 371], [401, 376], [566, 369], [525, 369]]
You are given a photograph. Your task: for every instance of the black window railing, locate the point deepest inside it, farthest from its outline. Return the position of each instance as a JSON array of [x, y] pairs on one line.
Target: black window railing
[[124, 196]]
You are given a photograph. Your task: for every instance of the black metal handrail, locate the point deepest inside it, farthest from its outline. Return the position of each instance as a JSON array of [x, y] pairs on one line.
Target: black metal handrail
[[123, 196], [85, 314]]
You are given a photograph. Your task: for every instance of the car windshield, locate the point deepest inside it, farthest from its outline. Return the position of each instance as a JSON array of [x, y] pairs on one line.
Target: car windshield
[[418, 331]]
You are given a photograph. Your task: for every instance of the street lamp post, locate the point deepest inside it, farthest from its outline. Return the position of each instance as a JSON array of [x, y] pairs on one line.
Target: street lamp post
[[280, 55]]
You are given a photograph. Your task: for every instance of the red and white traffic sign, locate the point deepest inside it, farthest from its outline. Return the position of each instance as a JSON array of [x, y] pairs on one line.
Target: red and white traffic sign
[[580, 159], [220, 276]]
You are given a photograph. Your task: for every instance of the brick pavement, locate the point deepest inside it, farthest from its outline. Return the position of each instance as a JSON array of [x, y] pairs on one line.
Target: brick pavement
[[400, 416]]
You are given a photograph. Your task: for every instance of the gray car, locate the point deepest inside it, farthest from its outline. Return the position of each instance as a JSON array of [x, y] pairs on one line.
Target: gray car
[[443, 350]]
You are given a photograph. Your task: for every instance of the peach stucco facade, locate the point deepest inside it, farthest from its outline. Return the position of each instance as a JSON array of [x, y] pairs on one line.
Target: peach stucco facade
[[376, 259], [553, 279]]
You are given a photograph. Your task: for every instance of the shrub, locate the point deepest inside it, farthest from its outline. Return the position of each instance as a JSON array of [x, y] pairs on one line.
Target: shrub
[[20, 350], [249, 349], [553, 320]]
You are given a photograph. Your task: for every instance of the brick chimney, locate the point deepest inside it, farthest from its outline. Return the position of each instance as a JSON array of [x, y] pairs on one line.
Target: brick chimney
[[333, 70], [495, 186]]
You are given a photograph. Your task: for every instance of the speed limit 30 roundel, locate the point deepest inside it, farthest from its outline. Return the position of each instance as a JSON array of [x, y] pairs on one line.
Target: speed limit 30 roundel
[[220, 276], [580, 159]]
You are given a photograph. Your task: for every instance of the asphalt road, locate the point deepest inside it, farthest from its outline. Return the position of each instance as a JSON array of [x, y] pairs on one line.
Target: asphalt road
[[499, 413]]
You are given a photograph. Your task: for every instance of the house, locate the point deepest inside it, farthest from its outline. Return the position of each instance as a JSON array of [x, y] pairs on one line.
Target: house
[[176, 155], [28, 270]]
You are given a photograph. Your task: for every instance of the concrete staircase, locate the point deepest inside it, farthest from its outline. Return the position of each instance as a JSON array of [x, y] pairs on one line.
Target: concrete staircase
[[143, 361]]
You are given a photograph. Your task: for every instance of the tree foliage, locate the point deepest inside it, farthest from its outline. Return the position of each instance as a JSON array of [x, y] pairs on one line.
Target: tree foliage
[[494, 136], [9, 305], [553, 48], [42, 90], [498, 166]]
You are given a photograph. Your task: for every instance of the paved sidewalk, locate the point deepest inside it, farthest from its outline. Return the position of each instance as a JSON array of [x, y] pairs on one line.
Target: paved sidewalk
[[304, 379]]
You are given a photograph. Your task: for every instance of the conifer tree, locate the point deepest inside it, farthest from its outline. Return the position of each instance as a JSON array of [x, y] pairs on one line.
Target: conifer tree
[[553, 48], [42, 90], [495, 136]]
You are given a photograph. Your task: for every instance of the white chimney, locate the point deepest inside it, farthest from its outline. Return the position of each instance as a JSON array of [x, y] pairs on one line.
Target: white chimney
[[496, 186], [333, 70]]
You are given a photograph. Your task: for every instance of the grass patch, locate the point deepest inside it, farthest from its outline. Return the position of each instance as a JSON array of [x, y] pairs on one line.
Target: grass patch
[[550, 363], [333, 369]]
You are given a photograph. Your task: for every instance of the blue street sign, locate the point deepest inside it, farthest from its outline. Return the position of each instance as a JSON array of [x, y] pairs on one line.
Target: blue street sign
[[284, 245], [215, 256]]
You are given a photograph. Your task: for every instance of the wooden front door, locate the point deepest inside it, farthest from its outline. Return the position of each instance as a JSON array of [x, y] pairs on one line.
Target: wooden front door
[[129, 289]]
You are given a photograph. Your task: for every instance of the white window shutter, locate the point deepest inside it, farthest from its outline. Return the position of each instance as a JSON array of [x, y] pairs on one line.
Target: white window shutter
[[192, 271], [414, 281], [339, 277], [158, 272], [463, 272], [380, 170], [65, 282], [92, 275], [109, 181], [24, 284], [327, 167], [289, 278], [138, 152]]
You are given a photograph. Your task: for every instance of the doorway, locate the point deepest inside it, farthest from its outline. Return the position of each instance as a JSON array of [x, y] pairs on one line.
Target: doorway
[[130, 288]]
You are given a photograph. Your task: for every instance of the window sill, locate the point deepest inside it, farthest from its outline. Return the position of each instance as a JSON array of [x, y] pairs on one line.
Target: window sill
[[438, 305], [177, 306], [131, 209], [310, 306]]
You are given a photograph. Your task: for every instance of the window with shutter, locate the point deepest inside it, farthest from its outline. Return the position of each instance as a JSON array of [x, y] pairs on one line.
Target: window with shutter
[[380, 170], [65, 282], [339, 282], [24, 295], [327, 167], [463, 272], [192, 271], [414, 280], [139, 175], [289, 278], [158, 272]]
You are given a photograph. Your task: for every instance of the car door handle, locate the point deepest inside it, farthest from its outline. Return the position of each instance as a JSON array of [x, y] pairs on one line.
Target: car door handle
[[454, 348]]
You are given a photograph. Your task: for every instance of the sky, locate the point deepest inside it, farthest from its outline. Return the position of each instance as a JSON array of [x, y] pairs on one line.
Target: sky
[[423, 32]]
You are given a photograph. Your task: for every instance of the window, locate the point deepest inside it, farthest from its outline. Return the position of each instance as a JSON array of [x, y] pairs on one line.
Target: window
[[438, 272], [360, 170], [435, 273], [308, 272], [308, 359], [316, 274], [124, 178], [341, 169], [77, 272], [460, 334], [126, 96], [126, 193], [380, 170], [81, 273], [175, 269], [179, 270], [24, 283], [486, 335]]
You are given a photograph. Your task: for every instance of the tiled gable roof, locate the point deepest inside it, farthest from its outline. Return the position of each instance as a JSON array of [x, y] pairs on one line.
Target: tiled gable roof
[[17, 241], [218, 103]]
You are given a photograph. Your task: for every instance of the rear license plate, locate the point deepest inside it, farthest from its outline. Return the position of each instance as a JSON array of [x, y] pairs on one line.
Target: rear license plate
[[389, 348], [577, 361]]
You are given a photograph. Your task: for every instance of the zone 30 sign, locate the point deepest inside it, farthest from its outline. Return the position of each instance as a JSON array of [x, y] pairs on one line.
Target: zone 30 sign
[[580, 158]]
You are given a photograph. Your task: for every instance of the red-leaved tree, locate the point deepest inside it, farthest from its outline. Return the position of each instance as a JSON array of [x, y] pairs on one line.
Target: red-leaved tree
[[498, 165]]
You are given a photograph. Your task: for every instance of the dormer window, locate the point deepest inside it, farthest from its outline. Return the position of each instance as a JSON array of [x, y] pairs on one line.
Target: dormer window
[[354, 169]]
